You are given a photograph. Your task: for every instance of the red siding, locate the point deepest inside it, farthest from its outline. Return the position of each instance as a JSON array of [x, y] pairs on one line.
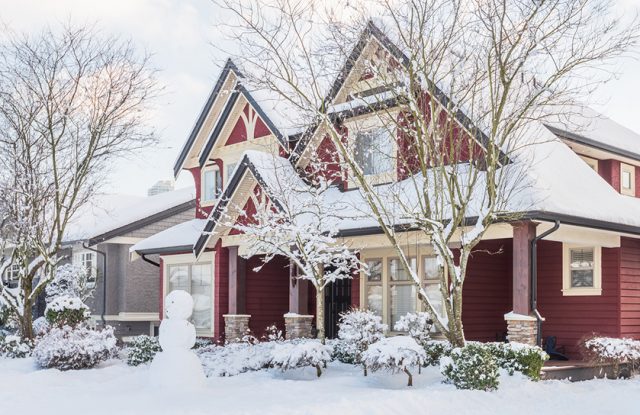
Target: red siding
[[327, 161], [610, 171], [630, 288], [221, 291], [261, 129], [571, 318], [239, 132], [267, 293], [487, 291]]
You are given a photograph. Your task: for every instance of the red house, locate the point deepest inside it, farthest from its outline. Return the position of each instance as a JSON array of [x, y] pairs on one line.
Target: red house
[[586, 212]]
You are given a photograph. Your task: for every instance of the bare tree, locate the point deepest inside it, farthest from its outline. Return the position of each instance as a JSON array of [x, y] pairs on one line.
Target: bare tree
[[463, 85], [71, 101]]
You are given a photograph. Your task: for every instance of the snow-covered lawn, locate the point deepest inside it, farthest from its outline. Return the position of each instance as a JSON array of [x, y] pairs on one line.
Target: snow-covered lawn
[[115, 388]]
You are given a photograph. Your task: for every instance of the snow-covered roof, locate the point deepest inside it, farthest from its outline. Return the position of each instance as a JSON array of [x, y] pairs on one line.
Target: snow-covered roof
[[107, 213], [183, 235]]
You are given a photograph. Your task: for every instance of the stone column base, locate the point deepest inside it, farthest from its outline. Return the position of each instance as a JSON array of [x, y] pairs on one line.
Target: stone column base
[[522, 328], [235, 326], [297, 326]]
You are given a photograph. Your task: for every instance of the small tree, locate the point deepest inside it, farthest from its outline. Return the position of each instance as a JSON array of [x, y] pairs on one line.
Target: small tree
[[70, 280], [358, 329]]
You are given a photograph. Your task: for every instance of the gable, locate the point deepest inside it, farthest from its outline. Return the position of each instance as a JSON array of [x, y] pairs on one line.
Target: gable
[[248, 126]]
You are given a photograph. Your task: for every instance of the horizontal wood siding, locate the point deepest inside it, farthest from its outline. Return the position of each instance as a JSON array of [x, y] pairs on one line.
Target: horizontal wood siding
[[630, 288], [267, 293], [487, 291], [571, 318]]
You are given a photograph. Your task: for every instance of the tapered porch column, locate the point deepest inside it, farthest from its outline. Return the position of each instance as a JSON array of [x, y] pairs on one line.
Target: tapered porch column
[[297, 321], [236, 323], [521, 323]]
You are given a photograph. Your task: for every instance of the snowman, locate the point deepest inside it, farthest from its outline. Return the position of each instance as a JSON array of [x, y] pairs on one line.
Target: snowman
[[176, 365]]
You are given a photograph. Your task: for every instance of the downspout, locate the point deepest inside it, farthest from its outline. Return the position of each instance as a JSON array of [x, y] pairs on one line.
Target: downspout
[[534, 279], [145, 259], [104, 281]]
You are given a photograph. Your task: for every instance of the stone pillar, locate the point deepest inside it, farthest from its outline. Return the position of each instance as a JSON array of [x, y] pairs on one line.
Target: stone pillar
[[235, 326], [297, 326], [521, 328]]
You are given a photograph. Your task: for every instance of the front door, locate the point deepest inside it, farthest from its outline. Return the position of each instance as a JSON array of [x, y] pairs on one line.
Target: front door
[[337, 299]]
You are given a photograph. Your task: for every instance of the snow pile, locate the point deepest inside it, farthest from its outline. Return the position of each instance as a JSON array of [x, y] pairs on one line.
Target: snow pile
[[142, 349], [607, 349], [13, 347], [470, 367], [235, 358], [67, 348], [356, 331], [41, 326], [396, 354], [302, 353], [417, 325], [70, 280]]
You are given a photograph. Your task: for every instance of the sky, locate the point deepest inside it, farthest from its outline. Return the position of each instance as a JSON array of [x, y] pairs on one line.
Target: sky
[[182, 37]]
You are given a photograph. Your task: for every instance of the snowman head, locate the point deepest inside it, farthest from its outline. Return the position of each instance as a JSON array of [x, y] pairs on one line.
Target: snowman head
[[178, 305]]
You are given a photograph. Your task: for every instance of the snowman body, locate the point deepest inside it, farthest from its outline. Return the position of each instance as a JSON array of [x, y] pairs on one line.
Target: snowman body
[[176, 366]]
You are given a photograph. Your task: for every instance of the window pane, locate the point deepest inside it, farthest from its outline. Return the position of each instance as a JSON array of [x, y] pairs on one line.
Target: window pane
[[432, 269], [374, 299], [374, 151], [581, 267], [435, 297], [178, 278], [218, 183], [626, 179], [375, 270], [209, 185], [397, 272], [201, 293], [403, 301]]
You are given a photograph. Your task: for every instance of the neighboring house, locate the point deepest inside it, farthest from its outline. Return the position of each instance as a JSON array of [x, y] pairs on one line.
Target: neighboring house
[[107, 229], [586, 179]]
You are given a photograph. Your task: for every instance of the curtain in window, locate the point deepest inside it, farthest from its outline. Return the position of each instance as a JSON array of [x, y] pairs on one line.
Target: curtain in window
[[201, 293], [403, 301], [582, 267]]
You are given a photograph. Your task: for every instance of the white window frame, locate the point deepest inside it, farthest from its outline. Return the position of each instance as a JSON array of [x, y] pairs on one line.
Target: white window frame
[[631, 170], [11, 275], [567, 289], [380, 283], [591, 162], [80, 258], [442, 312], [190, 259], [203, 191], [374, 122], [408, 282]]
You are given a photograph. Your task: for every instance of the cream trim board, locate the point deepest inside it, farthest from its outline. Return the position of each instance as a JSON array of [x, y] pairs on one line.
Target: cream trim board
[[567, 290], [627, 169], [591, 162], [210, 168]]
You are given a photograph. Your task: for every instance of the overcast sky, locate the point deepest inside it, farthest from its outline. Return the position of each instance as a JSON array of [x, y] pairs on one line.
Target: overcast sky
[[180, 34]]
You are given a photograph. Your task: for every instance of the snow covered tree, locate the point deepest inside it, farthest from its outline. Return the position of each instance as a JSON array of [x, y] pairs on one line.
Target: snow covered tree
[[356, 331], [417, 325], [397, 354], [293, 219], [71, 102], [466, 84], [70, 280]]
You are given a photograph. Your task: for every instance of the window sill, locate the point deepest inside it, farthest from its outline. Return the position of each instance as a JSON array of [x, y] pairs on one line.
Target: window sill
[[208, 203], [581, 292]]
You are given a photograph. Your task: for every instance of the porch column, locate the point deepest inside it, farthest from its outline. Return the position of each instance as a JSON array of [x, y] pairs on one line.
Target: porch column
[[521, 323], [236, 322], [297, 321]]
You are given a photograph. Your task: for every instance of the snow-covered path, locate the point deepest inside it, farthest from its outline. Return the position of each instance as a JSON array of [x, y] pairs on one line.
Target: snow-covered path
[[115, 388]]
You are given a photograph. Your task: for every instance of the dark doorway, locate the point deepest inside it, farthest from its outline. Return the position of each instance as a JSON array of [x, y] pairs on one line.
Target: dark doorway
[[337, 299]]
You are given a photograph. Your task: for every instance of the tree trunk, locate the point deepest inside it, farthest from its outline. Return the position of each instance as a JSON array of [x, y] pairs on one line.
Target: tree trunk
[[410, 382], [318, 371], [320, 315], [26, 319], [365, 369]]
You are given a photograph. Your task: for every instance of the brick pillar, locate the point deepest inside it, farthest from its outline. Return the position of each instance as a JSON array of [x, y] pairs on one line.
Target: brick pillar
[[521, 328], [297, 326], [235, 326]]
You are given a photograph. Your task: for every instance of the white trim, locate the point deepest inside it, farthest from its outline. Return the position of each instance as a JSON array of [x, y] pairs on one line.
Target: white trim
[[125, 316], [567, 289], [511, 316], [123, 240], [206, 169], [631, 170]]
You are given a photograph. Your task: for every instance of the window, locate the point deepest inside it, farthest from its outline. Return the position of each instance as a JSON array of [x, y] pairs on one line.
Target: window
[[211, 184], [230, 168], [402, 290], [88, 260], [627, 179], [374, 151], [431, 275], [374, 286], [11, 274], [582, 270], [196, 279]]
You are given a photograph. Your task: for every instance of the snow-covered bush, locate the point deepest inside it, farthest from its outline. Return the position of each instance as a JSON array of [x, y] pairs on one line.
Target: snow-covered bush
[[142, 349], [518, 357], [357, 329], [68, 348], [613, 351], [417, 325], [436, 350], [396, 354], [41, 326], [300, 353], [234, 358], [470, 367], [14, 347], [272, 334], [70, 280], [66, 311]]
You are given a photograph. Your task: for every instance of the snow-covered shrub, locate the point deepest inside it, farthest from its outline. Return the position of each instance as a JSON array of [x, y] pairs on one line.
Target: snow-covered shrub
[[272, 334], [70, 280], [417, 325], [470, 367], [518, 357], [612, 351], [357, 329], [300, 353], [436, 350], [142, 349], [66, 311], [40, 326], [202, 342], [396, 354], [14, 347], [234, 358], [68, 348]]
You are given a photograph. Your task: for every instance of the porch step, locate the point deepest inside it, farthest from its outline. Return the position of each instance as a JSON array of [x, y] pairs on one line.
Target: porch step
[[577, 370]]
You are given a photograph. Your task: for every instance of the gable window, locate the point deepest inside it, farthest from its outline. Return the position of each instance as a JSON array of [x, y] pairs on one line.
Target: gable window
[[627, 179], [11, 275], [374, 151], [87, 260], [402, 290], [196, 279], [211, 184], [582, 274]]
